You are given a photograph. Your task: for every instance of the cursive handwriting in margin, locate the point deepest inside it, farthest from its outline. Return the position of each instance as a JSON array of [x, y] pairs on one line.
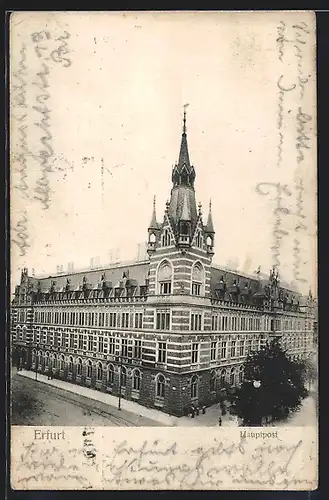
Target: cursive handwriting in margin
[[287, 85]]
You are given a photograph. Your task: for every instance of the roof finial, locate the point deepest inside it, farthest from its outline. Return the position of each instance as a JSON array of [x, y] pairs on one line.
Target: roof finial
[[184, 119]]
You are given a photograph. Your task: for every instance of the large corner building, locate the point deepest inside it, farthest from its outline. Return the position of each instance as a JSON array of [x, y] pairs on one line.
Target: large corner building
[[167, 332]]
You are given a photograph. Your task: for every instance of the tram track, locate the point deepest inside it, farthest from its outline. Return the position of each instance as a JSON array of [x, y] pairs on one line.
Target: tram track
[[119, 421]]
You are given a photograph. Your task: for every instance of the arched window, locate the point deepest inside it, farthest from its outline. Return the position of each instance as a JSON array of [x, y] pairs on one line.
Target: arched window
[[213, 382], [222, 378], [209, 241], [232, 376], [99, 371], [110, 374], [165, 238], [70, 364], [46, 359], [152, 238], [89, 369], [137, 380], [165, 278], [199, 239], [33, 356], [241, 374], [160, 386], [79, 366], [123, 376], [194, 386], [55, 361], [197, 279], [61, 363]]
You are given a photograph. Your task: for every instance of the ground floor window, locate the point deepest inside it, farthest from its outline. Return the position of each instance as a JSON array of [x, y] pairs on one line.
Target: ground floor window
[[160, 386], [123, 376], [89, 369], [194, 386], [137, 380], [110, 374], [79, 366], [99, 371]]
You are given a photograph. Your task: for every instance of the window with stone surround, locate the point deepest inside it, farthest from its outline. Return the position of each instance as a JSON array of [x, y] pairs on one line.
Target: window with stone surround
[[139, 320], [160, 386], [162, 352], [164, 278], [137, 379], [194, 386], [196, 321], [137, 349], [213, 349], [163, 320], [195, 352]]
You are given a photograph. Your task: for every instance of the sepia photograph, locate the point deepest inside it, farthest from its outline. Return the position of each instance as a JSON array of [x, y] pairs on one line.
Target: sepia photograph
[[163, 229]]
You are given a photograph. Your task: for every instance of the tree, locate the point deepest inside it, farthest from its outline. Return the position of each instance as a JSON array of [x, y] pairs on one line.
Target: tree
[[273, 386]]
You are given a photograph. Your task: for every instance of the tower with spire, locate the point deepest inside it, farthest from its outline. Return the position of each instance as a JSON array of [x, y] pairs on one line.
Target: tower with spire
[[182, 234]]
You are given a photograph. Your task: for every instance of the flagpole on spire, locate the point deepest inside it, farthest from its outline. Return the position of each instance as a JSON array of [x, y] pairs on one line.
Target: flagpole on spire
[[184, 119]]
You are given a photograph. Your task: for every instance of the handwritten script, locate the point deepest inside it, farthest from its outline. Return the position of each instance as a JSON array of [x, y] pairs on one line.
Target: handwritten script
[[214, 463], [32, 148], [292, 113]]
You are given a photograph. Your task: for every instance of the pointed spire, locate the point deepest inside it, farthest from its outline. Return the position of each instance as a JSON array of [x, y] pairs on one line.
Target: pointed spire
[[153, 223], [210, 224], [183, 153], [185, 213]]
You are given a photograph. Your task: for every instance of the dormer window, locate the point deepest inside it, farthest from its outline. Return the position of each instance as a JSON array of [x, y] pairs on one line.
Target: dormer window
[[166, 238]]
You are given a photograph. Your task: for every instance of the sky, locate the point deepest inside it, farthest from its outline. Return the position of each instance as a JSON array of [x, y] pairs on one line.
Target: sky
[[115, 119]]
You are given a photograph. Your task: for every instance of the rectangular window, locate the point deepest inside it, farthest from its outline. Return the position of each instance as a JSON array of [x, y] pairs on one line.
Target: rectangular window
[[196, 321], [100, 344], [223, 353], [233, 349], [101, 319], [241, 348], [214, 322], [90, 343], [165, 288], [225, 323], [106, 322], [80, 341], [113, 320], [195, 353], [71, 340], [196, 289], [111, 345], [125, 320], [124, 347], [162, 352], [138, 320], [137, 349], [163, 321], [213, 349], [248, 346]]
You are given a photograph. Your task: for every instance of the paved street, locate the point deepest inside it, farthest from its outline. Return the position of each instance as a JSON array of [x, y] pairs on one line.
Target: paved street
[[57, 402], [36, 403]]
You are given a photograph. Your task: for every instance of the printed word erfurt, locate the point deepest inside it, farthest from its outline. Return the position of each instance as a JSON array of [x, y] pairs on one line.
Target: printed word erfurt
[[48, 435], [258, 435]]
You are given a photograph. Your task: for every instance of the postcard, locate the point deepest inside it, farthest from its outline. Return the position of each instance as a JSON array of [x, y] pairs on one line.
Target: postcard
[[163, 251]]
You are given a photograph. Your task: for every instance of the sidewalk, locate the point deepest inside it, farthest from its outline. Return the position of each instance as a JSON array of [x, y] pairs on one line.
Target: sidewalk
[[209, 419]]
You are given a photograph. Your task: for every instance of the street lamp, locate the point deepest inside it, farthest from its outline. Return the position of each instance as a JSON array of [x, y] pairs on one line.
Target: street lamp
[[120, 375], [257, 384]]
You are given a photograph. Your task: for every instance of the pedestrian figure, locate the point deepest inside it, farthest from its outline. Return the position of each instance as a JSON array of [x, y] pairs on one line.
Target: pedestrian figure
[[192, 412], [197, 410], [220, 421], [203, 410]]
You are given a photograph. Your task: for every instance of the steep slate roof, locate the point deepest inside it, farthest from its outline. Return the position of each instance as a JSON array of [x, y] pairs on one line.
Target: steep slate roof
[[136, 271]]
